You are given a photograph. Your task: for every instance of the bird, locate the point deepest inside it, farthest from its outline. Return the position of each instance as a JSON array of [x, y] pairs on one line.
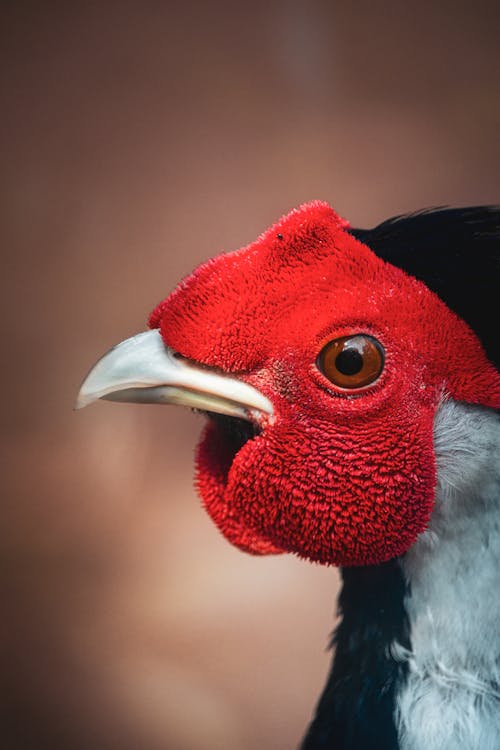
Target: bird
[[351, 388]]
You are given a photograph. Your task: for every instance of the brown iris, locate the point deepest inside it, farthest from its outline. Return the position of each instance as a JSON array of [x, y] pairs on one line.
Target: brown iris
[[352, 361]]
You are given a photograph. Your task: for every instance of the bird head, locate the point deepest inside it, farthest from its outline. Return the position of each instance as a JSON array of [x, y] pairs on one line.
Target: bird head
[[320, 368]]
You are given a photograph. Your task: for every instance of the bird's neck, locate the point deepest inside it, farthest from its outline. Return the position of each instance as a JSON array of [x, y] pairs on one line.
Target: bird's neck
[[416, 664], [450, 697]]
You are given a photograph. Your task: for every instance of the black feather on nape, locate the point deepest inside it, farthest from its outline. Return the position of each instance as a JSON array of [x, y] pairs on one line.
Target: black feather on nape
[[456, 253], [356, 709]]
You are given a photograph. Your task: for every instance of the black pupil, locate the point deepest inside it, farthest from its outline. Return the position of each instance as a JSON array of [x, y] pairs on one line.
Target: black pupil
[[349, 362]]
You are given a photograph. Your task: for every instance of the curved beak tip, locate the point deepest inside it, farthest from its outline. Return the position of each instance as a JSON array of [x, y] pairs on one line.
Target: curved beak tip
[[80, 402]]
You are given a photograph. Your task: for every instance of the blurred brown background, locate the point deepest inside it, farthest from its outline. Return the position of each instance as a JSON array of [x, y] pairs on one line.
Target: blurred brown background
[[139, 138]]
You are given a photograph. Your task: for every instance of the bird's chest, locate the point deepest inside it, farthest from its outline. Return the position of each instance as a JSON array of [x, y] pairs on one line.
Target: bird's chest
[[451, 696]]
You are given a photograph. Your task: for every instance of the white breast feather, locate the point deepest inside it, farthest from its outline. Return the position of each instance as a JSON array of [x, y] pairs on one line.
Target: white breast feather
[[451, 700]]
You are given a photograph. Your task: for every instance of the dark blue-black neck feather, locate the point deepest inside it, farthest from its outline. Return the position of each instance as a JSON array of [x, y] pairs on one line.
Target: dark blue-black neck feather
[[356, 709]]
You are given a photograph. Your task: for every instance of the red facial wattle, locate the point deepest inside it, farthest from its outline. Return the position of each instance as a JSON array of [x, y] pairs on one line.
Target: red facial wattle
[[339, 475]]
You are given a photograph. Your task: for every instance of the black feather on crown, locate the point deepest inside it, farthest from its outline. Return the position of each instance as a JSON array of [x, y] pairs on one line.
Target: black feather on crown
[[456, 253]]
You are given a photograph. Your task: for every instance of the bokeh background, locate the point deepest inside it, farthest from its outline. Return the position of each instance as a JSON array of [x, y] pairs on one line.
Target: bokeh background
[[138, 139]]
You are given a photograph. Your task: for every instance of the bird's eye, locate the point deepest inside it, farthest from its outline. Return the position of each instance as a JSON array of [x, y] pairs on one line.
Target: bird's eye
[[352, 361]]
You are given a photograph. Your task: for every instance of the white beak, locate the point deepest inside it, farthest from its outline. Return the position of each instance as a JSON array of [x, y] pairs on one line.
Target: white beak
[[143, 370]]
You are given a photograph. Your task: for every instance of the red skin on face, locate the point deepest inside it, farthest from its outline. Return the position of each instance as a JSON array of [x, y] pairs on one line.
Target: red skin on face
[[338, 476]]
